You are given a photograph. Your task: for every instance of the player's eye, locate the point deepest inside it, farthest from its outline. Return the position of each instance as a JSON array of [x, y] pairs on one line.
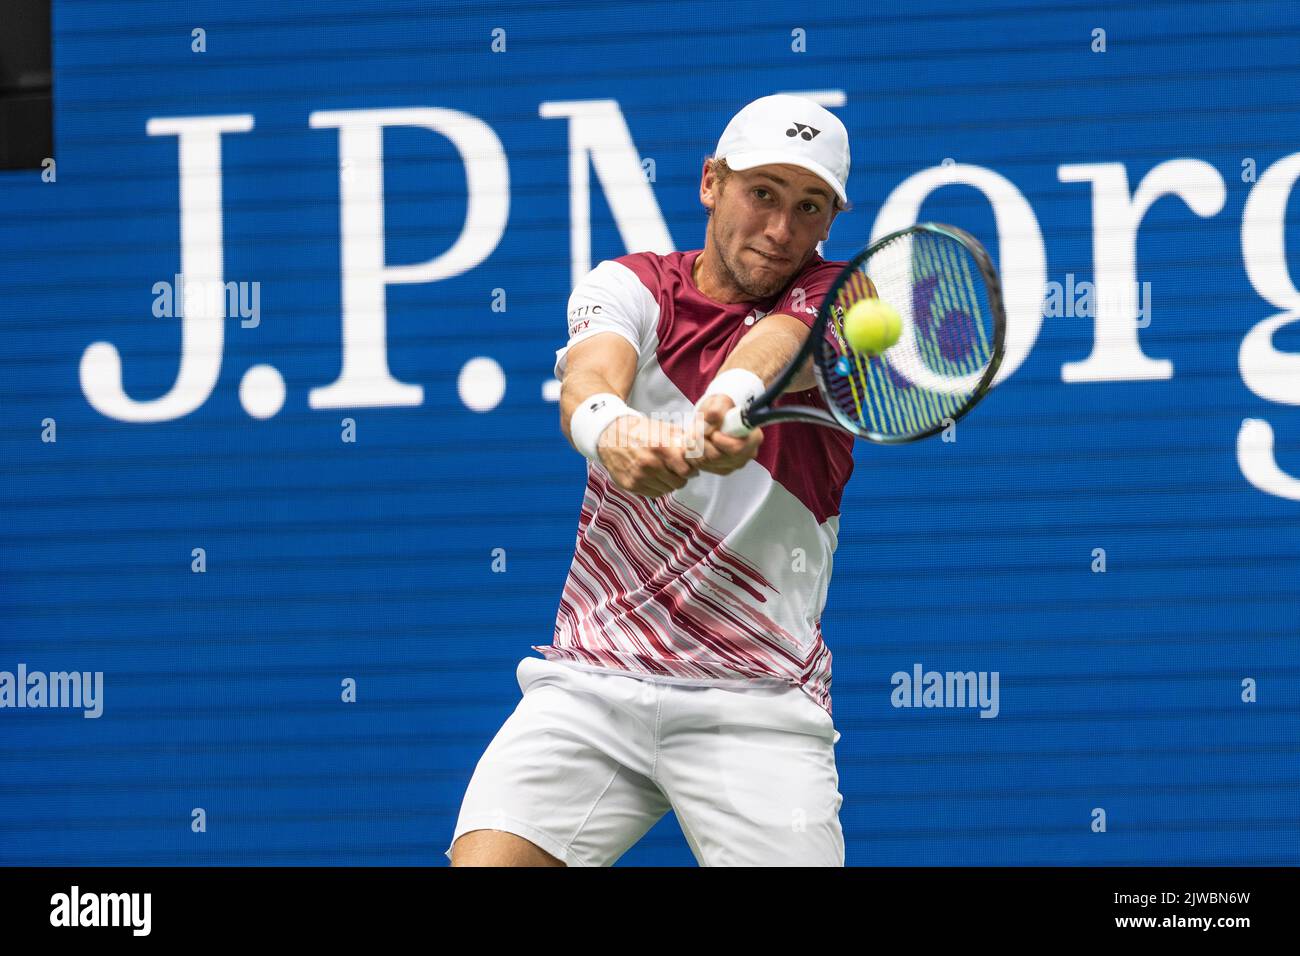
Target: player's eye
[[815, 208], [759, 189]]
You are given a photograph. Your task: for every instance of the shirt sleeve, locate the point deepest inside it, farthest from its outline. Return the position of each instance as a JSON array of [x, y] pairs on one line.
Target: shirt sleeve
[[610, 298]]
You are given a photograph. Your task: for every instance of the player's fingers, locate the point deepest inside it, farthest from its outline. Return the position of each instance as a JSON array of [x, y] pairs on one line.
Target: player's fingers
[[749, 446], [675, 464], [726, 444], [714, 412], [640, 477], [675, 481], [678, 454], [653, 487], [658, 476]]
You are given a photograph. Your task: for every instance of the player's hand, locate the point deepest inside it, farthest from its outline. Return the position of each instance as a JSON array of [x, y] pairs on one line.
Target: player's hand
[[647, 457], [722, 453]]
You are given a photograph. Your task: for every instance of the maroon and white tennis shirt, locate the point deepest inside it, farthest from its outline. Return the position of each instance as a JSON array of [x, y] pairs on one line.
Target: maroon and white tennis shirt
[[724, 579]]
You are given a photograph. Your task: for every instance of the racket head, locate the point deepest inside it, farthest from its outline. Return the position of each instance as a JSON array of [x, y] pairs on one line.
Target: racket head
[[944, 286]]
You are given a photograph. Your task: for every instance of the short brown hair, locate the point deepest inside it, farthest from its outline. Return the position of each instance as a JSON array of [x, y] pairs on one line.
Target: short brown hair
[[721, 172]]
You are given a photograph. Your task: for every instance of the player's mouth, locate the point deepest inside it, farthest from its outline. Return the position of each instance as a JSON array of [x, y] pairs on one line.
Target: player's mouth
[[775, 260]]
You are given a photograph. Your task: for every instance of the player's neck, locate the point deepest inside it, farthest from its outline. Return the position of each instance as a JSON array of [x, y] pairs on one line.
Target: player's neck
[[711, 285]]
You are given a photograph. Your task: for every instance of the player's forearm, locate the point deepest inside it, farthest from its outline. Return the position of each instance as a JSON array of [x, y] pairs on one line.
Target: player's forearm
[[576, 387], [803, 380], [768, 349]]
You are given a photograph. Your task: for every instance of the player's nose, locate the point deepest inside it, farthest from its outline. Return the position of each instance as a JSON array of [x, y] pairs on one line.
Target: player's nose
[[778, 231]]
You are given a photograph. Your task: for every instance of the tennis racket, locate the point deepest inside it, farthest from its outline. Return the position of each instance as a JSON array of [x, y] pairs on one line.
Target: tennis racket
[[953, 330]]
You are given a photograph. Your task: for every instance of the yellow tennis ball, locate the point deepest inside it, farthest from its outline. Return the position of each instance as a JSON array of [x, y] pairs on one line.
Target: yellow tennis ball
[[872, 325]]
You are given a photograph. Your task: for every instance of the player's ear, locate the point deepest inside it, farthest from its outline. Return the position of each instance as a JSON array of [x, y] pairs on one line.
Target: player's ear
[[708, 185]]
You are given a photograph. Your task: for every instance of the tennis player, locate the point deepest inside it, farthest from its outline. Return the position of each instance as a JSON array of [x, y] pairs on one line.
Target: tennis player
[[687, 670]]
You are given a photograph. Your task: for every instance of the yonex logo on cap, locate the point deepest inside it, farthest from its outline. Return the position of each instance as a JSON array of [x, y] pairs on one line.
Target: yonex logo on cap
[[752, 138]]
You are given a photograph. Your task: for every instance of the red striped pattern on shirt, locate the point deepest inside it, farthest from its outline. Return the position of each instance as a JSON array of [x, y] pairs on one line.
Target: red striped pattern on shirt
[[652, 589]]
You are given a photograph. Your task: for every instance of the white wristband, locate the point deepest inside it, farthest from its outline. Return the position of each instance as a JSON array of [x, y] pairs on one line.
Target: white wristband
[[592, 417], [739, 384]]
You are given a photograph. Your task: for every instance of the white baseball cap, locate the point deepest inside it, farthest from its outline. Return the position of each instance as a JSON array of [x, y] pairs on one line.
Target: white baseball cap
[[783, 128]]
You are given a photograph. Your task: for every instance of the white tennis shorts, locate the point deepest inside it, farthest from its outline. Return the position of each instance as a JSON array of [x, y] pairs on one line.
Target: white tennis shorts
[[592, 759]]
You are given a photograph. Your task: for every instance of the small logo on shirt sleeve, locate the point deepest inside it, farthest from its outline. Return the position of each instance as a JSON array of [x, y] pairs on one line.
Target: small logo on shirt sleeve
[[580, 317]]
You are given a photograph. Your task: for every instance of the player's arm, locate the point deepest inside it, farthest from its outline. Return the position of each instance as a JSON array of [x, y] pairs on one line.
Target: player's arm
[[639, 461], [804, 379], [765, 351], [769, 347], [602, 363]]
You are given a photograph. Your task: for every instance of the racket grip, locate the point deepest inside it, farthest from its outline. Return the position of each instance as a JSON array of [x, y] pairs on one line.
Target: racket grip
[[734, 425]]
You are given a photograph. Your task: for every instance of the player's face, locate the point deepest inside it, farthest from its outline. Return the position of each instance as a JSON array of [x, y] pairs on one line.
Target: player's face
[[767, 222]]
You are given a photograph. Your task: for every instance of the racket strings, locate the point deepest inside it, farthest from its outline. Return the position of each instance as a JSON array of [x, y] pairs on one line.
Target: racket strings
[[945, 345]]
